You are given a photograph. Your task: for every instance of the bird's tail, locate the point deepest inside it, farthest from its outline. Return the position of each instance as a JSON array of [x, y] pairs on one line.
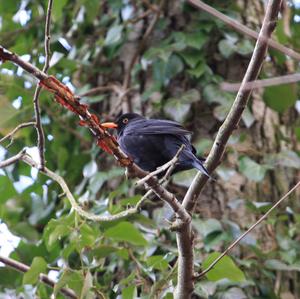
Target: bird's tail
[[198, 164]]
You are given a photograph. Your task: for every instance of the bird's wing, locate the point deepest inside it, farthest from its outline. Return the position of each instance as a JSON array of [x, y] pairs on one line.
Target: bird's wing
[[156, 126]]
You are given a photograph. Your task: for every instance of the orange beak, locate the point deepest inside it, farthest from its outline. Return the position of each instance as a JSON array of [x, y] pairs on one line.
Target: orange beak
[[109, 125]]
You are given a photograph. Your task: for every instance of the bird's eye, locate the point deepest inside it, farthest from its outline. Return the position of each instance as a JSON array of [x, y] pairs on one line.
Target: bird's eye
[[125, 121]]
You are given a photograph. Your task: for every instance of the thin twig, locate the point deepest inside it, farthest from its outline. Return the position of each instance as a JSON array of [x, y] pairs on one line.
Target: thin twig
[[13, 159], [233, 244], [100, 89], [37, 112], [162, 168], [242, 28], [15, 130], [43, 277], [287, 79], [98, 218]]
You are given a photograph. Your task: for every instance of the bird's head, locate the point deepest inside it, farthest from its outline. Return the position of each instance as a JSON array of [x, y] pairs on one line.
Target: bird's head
[[121, 122]]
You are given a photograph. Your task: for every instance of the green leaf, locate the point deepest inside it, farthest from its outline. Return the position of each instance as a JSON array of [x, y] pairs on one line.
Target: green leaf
[[200, 69], [157, 262], [195, 40], [38, 266], [225, 268], [113, 35], [58, 9], [63, 280], [244, 47], [252, 170], [9, 116], [7, 189], [191, 58], [87, 236], [234, 293], [212, 94], [226, 48], [248, 118], [280, 97], [173, 66], [125, 231], [72, 279], [206, 227], [184, 178], [129, 292], [285, 158], [56, 229], [103, 251], [178, 109]]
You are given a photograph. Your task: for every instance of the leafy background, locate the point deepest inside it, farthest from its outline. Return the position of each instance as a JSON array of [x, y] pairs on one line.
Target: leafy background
[[180, 67]]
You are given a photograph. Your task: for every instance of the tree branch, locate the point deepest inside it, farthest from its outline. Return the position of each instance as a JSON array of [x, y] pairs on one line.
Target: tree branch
[[13, 159], [97, 218], [37, 112], [15, 130], [287, 79], [242, 28], [44, 278], [232, 120], [185, 284], [251, 228]]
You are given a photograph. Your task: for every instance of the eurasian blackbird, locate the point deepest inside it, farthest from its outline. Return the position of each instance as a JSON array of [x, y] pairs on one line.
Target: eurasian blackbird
[[153, 142]]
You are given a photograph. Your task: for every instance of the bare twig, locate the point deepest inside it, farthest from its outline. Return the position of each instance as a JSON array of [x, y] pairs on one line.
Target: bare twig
[[44, 278], [248, 231], [13, 159], [37, 112], [242, 28], [100, 89], [287, 79], [15, 130], [162, 168], [98, 218]]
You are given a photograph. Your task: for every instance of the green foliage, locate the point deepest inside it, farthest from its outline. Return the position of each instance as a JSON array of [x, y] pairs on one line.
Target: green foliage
[[125, 231], [32, 275], [176, 75], [281, 97], [223, 269]]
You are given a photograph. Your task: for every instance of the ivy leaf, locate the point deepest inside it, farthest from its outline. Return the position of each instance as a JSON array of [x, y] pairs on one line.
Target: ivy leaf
[[157, 262], [285, 158], [129, 292], [38, 266], [127, 232], [280, 97], [7, 189], [225, 268], [113, 35], [179, 108], [252, 170]]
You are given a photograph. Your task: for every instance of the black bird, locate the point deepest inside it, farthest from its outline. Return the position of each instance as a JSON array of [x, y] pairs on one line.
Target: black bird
[[154, 142]]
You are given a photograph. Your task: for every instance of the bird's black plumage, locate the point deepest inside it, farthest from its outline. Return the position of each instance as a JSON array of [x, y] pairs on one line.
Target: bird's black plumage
[[153, 142]]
